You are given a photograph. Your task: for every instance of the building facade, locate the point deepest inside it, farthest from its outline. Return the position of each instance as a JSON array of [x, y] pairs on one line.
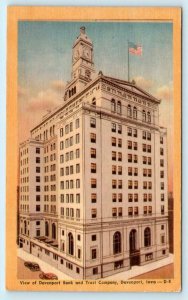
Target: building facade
[[93, 190]]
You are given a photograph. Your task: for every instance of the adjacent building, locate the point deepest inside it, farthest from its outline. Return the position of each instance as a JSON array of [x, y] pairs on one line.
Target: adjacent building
[[93, 190]]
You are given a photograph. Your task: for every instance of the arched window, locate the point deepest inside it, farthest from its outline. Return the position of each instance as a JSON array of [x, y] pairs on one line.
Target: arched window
[[113, 105], [147, 237], [129, 111], [135, 112], [70, 93], [46, 229], [71, 243], [119, 107], [143, 116], [74, 90], [25, 227], [53, 231], [133, 240], [149, 117], [94, 101], [117, 242]]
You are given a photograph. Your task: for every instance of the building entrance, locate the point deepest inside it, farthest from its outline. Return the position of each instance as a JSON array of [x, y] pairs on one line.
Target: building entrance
[[134, 252]]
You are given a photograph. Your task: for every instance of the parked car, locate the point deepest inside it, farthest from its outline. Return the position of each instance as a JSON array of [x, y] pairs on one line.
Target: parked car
[[32, 265], [49, 276]]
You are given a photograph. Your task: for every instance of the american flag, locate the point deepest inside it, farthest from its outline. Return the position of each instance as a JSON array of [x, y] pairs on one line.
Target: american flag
[[135, 49]]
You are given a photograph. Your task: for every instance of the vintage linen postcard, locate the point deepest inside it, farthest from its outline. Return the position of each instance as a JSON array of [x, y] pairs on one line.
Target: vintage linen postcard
[[94, 149]]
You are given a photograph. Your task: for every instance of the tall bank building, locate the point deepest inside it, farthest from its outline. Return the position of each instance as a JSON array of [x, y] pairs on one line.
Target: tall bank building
[[93, 190]]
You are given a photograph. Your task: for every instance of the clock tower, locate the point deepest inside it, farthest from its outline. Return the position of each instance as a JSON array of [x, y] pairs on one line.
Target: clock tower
[[82, 64]]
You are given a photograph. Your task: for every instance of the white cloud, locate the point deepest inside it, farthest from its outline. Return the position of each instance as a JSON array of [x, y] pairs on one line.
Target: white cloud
[[143, 82]]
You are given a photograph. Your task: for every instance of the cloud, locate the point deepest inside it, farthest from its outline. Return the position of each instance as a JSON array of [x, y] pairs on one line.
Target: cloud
[[22, 92], [33, 107], [143, 82], [58, 85], [165, 92]]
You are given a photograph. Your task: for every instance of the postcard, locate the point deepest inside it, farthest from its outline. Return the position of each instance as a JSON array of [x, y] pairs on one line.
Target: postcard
[[94, 149]]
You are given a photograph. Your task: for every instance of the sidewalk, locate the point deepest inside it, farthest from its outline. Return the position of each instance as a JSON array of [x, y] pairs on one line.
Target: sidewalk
[[133, 272]]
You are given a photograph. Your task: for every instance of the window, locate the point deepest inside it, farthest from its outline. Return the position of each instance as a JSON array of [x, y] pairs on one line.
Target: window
[[145, 211], [136, 185], [113, 127], [117, 242], [135, 132], [161, 151], [135, 145], [161, 163], [77, 138], [150, 210], [129, 131], [37, 207], [37, 197], [162, 239], [144, 147], [37, 178], [136, 211], [94, 253], [149, 172], [95, 271], [129, 111], [130, 184], [77, 198], [78, 214], [135, 197], [119, 107], [77, 153], [120, 197], [130, 171], [149, 185], [37, 169], [78, 237], [77, 168], [93, 198], [149, 148], [135, 158], [94, 213], [119, 184], [93, 153], [161, 174], [119, 156], [148, 256], [92, 137], [113, 155], [134, 112], [119, 170], [149, 136], [93, 183], [119, 143], [38, 150], [129, 157], [120, 211], [144, 160], [149, 117], [113, 169], [67, 129], [143, 116], [161, 139], [62, 158], [93, 123], [113, 141], [113, 105], [144, 172], [130, 197], [70, 244], [129, 144], [93, 237], [77, 183], [77, 123], [149, 160], [144, 135], [119, 129], [162, 197], [38, 188], [130, 211], [114, 183], [93, 168], [162, 209], [61, 145]]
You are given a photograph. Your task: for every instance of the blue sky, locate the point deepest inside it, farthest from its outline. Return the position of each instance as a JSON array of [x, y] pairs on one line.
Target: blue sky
[[45, 50]]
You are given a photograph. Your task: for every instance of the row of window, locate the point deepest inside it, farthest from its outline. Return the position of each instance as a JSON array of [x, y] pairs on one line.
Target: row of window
[[24, 152], [47, 198], [69, 198], [69, 184], [70, 212], [69, 127], [52, 147], [48, 208], [69, 156], [48, 168], [69, 170]]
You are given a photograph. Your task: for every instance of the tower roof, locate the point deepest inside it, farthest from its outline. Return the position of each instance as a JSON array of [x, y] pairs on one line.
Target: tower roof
[[82, 37]]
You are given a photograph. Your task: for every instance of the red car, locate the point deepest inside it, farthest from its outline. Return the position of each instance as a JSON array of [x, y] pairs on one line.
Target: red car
[[48, 276]]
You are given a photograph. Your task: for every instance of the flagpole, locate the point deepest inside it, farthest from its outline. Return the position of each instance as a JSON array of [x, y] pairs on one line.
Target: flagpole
[[128, 60]]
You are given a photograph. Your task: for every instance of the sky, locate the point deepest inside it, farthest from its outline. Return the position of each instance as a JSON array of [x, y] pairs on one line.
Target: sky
[[45, 56]]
